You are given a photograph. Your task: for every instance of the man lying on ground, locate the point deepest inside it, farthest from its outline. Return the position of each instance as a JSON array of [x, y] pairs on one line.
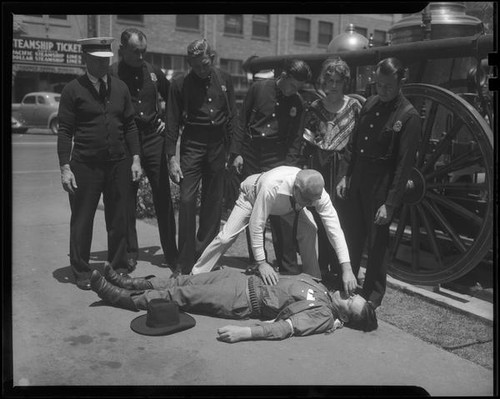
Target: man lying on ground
[[296, 305]]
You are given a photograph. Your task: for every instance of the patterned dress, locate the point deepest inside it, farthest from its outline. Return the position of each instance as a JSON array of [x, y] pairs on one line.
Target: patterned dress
[[326, 135]]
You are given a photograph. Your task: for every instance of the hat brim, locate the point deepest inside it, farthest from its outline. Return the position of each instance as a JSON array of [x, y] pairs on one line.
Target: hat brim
[[101, 53], [139, 325]]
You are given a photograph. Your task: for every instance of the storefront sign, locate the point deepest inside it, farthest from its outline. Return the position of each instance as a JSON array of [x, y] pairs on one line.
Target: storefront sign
[[33, 50], [62, 70]]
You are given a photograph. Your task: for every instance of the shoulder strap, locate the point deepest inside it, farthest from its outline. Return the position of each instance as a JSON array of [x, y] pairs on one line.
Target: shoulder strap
[[370, 101], [185, 96], [156, 83], [397, 116], [218, 78]]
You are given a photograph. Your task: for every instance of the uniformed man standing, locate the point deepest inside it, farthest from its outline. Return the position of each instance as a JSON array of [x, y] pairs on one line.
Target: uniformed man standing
[[270, 136], [202, 102], [96, 133], [379, 159], [146, 84]]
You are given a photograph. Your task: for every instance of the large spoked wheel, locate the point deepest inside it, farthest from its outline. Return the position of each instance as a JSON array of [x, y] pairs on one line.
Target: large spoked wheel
[[444, 227]]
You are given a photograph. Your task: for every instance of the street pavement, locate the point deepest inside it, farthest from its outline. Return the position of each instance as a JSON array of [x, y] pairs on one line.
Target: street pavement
[[65, 336]]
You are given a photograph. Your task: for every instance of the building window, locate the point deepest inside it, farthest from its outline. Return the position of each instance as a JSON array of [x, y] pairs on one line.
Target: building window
[[325, 33], [362, 31], [379, 38], [260, 25], [191, 22], [235, 69], [302, 30], [169, 63], [233, 24], [65, 17], [179, 63], [131, 18]]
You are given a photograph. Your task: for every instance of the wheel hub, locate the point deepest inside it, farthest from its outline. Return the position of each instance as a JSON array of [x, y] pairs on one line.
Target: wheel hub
[[415, 188]]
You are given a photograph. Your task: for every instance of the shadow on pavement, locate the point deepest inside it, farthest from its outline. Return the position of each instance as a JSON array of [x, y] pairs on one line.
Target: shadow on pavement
[[65, 275]]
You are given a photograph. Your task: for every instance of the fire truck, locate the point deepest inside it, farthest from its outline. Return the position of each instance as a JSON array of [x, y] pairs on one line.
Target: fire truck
[[444, 228]]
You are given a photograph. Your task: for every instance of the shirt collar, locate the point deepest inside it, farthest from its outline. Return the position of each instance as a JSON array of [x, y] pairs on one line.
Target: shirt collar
[[95, 80], [127, 67], [203, 80], [391, 104]]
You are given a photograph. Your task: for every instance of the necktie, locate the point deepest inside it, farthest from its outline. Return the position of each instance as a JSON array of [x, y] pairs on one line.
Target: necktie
[[295, 223], [102, 89]]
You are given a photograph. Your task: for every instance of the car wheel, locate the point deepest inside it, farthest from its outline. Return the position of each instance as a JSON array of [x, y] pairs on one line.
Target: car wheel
[[54, 126]]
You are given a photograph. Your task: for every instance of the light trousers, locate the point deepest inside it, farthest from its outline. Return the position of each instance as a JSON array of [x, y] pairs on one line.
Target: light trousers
[[238, 221]]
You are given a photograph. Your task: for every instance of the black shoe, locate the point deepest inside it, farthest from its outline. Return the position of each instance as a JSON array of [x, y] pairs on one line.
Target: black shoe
[[83, 284], [131, 264], [109, 293], [125, 281]]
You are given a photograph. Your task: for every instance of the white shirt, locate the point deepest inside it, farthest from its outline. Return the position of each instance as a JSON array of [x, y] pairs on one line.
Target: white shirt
[[95, 81], [271, 196]]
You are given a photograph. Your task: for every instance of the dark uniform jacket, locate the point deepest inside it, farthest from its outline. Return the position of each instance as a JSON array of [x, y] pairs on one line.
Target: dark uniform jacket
[[200, 103], [381, 151], [269, 115], [300, 298], [100, 131], [144, 83]]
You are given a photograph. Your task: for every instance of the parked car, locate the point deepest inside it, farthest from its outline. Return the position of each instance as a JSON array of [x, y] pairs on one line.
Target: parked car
[[38, 109], [18, 125]]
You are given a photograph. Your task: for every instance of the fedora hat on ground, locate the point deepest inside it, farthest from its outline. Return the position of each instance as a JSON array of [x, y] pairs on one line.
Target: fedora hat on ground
[[162, 318]]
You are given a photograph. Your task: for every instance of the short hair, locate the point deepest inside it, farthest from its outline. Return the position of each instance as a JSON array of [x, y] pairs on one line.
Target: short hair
[[335, 65], [297, 69], [199, 47], [128, 33], [365, 321], [310, 183], [391, 66]]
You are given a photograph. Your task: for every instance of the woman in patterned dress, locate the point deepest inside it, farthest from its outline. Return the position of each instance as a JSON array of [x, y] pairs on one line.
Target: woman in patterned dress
[[328, 124]]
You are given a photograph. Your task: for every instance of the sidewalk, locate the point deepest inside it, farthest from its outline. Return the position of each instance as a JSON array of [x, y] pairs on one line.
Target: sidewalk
[[65, 336]]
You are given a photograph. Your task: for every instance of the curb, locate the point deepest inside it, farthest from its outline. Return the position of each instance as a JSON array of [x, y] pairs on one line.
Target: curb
[[466, 304], [462, 303]]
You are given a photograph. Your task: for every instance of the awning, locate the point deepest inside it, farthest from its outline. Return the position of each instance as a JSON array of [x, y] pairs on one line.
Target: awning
[[63, 70]]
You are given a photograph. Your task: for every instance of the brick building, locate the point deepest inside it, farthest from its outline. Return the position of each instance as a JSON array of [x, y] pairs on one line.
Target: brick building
[[46, 55]]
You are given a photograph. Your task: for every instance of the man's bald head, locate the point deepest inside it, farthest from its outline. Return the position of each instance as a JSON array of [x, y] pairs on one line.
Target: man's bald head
[[310, 184]]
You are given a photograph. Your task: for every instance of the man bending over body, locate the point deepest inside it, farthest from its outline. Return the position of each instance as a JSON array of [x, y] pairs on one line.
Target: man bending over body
[[286, 191]]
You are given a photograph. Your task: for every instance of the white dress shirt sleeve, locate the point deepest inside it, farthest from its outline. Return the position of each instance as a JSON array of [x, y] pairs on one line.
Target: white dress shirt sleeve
[[257, 223], [331, 221]]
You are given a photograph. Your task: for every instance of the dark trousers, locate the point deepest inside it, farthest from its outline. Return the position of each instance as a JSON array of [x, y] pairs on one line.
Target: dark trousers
[[202, 160], [220, 293], [261, 155], [154, 163], [111, 179], [326, 163], [360, 230]]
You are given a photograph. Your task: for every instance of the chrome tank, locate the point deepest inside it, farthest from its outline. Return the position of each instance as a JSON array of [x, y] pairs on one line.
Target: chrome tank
[[444, 20]]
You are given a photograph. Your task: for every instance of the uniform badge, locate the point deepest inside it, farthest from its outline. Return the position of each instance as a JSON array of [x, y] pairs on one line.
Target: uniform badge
[[223, 88], [153, 77], [397, 126], [293, 112]]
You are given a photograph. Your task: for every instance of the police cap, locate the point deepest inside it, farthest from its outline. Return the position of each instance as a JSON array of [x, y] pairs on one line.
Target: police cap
[[97, 46]]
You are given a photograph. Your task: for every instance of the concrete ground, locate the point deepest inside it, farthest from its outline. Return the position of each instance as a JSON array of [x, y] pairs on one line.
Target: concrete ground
[[64, 336]]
